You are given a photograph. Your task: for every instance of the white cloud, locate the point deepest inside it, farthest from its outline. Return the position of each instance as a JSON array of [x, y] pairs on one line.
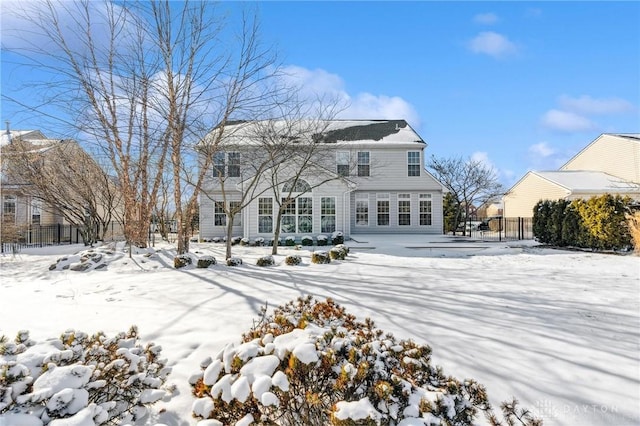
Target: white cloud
[[486, 18], [541, 149], [492, 44], [588, 105], [566, 121], [321, 84]]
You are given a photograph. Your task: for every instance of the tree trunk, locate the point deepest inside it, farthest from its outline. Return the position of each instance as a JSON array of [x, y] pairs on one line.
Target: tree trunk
[[229, 236], [276, 233]]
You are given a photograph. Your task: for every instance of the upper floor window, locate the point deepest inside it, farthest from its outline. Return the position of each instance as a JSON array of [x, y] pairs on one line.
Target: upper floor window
[[226, 164], [342, 162], [363, 163], [36, 209], [413, 163], [299, 185]]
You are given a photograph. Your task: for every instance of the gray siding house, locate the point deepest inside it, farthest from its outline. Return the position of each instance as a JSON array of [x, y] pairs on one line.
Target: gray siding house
[[371, 178]]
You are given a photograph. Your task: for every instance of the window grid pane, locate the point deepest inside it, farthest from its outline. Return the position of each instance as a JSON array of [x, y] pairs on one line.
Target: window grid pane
[[234, 164], [362, 212], [383, 212], [219, 217], [404, 209], [413, 163], [363, 163], [327, 214], [425, 209]]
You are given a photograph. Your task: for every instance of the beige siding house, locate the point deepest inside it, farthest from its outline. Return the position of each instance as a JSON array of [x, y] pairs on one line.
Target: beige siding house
[[371, 178], [610, 164]]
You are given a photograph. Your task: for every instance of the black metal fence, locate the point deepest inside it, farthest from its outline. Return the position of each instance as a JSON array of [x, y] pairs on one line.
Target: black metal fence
[[15, 238], [500, 229]]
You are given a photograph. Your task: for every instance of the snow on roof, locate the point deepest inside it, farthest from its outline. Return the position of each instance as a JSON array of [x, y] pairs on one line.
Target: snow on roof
[[34, 137], [328, 131], [589, 181]]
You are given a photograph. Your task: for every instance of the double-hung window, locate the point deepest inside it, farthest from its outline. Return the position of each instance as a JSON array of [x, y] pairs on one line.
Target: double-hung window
[[36, 212], [342, 163], [9, 208], [219, 215], [226, 164], [404, 209], [383, 209], [265, 215], [297, 215], [413, 163], [364, 164], [362, 210], [425, 209], [328, 214]]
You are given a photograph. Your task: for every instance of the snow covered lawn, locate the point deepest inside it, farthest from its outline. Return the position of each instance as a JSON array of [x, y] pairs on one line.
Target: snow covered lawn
[[558, 330]]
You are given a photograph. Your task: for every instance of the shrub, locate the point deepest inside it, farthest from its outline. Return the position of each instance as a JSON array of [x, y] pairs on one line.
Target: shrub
[[312, 363], [265, 261], [245, 241], [234, 261], [206, 261], [307, 240], [181, 260], [290, 241], [277, 242], [105, 379], [338, 252], [322, 240], [258, 242], [235, 240], [337, 238], [320, 257], [633, 221], [217, 239], [293, 259]]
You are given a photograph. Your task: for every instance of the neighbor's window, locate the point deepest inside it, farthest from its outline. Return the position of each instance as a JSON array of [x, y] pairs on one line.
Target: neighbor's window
[[342, 161], [413, 163], [383, 209], [228, 160], [234, 164], [425, 209], [328, 214], [362, 210], [363, 163], [404, 209], [265, 215], [218, 164], [36, 209], [9, 208]]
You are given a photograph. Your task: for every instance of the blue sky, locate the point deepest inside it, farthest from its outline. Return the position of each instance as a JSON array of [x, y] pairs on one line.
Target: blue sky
[[520, 85]]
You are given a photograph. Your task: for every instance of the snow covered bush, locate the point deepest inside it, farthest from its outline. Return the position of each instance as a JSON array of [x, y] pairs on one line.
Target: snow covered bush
[[245, 241], [290, 241], [322, 240], [86, 380], [258, 242], [337, 238], [338, 252], [312, 363], [265, 261], [234, 261], [181, 260], [306, 240], [320, 257], [293, 259], [206, 261]]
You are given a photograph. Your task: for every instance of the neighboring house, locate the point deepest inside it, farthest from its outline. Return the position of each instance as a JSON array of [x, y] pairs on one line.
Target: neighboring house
[[373, 181], [18, 207], [608, 165]]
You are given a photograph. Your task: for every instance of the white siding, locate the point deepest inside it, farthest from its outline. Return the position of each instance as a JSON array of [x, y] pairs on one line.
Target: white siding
[[521, 199]]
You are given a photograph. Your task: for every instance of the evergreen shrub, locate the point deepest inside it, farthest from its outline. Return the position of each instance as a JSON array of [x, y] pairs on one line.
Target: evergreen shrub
[[181, 260], [293, 259], [111, 380], [320, 257], [234, 261], [206, 261], [265, 261], [322, 240], [312, 363], [337, 238], [290, 241], [307, 240]]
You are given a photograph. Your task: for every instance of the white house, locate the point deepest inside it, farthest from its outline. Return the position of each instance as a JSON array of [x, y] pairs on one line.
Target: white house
[[371, 179], [608, 165]]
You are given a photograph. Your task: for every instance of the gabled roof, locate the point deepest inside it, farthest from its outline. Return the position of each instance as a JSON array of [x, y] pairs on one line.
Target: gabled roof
[[326, 131], [631, 137], [588, 182]]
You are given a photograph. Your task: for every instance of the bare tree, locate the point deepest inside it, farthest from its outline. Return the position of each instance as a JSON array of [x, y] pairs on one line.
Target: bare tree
[[67, 181], [469, 181], [146, 81]]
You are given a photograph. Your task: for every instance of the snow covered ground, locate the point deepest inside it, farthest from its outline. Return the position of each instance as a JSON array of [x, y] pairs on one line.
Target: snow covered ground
[[558, 330]]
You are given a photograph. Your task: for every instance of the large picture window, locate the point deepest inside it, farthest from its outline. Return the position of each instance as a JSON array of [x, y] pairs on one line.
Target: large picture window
[[327, 214], [413, 163], [297, 215], [362, 210], [404, 209], [265, 215], [364, 165], [383, 209], [425, 209]]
